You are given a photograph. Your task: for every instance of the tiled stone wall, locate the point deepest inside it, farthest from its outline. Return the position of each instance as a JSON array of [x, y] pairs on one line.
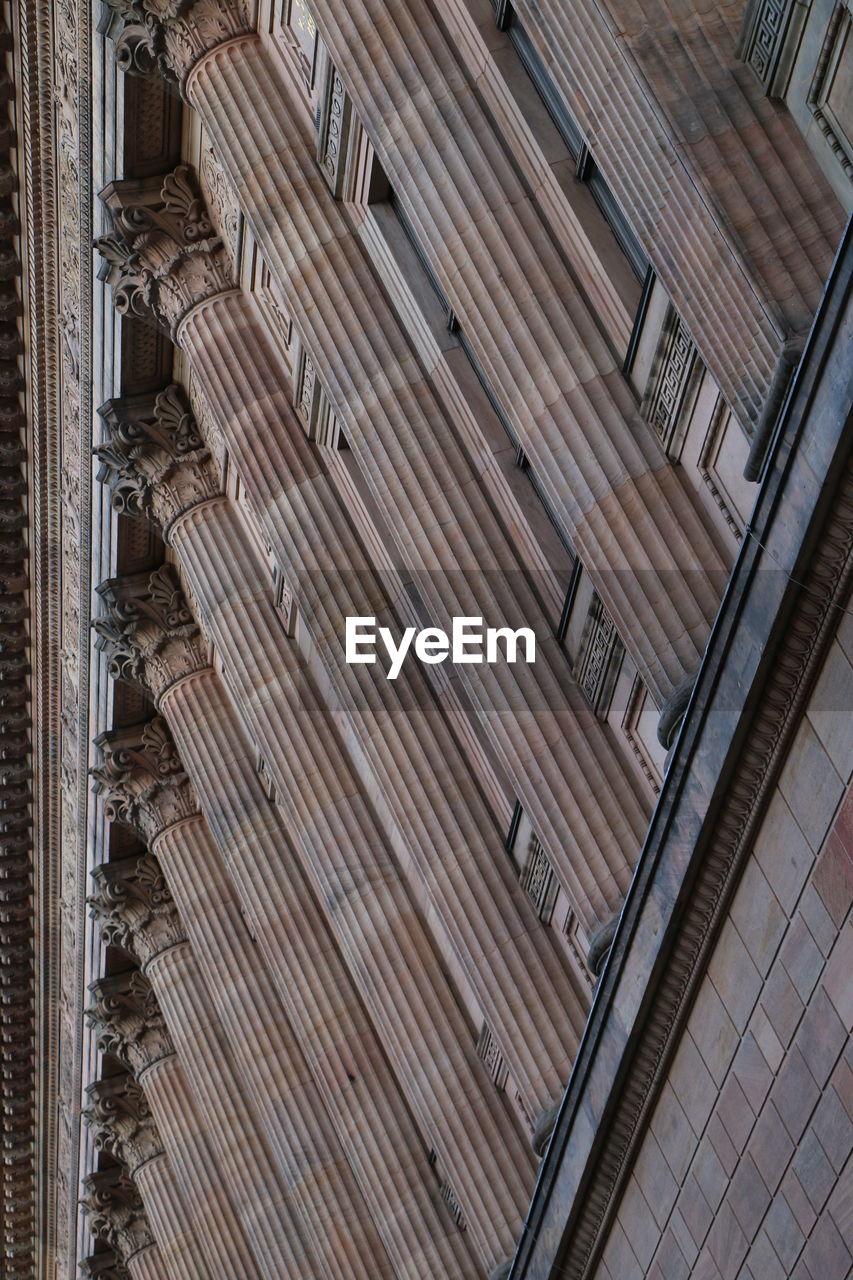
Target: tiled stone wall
[[744, 1171]]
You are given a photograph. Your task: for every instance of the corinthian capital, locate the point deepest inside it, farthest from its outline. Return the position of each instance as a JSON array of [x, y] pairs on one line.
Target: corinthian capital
[[155, 460], [116, 1214], [120, 1121], [144, 786], [103, 1266], [168, 37], [135, 909], [127, 1021], [148, 630], [165, 255]]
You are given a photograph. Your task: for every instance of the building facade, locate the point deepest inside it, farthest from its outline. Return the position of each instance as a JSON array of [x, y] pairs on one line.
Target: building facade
[[531, 315]]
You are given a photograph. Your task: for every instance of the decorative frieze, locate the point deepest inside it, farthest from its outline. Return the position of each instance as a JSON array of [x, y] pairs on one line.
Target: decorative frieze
[[149, 632], [116, 1214], [165, 255], [119, 1119], [169, 38], [155, 460], [127, 1021], [135, 909], [143, 785]]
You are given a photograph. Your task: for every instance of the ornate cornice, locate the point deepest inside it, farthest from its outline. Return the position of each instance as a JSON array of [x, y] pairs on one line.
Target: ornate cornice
[[116, 1214], [168, 37], [155, 460], [127, 1021], [135, 909], [121, 1123], [103, 1266], [165, 256], [143, 785], [148, 631]]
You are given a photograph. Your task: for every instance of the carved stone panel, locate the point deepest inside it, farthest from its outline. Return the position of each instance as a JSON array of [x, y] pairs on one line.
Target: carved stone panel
[[165, 255]]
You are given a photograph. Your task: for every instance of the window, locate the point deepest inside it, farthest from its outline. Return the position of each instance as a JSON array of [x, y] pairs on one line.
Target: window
[[586, 169]]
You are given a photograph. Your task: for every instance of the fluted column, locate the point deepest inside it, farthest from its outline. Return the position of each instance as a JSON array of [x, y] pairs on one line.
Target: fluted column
[[383, 1145], [120, 1120], [289, 1105], [746, 157], [116, 1215], [145, 787], [537, 721], [375, 919], [630, 515], [129, 1026]]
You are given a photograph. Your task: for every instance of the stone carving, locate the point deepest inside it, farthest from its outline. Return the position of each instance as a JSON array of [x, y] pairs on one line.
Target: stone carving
[[148, 631], [135, 909], [165, 255], [155, 460], [127, 1021], [144, 786], [116, 1213], [121, 1123], [168, 37], [103, 1266]]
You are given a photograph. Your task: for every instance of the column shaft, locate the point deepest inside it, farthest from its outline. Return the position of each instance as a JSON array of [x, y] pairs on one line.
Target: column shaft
[[371, 909], [535, 717], [291, 1109], [630, 515]]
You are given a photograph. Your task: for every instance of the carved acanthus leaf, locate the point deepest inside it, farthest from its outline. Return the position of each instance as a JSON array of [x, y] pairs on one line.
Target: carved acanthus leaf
[[165, 256], [143, 783], [127, 1021], [148, 631], [116, 1214], [168, 37], [135, 909], [155, 460], [120, 1121]]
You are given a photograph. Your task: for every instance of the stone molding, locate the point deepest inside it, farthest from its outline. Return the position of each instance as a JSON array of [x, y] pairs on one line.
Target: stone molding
[[155, 460], [144, 786], [165, 255], [121, 1123], [149, 632], [127, 1021], [116, 1214], [168, 37], [134, 908]]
